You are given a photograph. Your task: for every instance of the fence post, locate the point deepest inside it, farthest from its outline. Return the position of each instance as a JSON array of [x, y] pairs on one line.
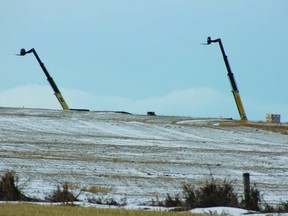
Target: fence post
[[246, 183]]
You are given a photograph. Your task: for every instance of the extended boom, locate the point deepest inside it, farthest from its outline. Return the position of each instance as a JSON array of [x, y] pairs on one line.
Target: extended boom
[[235, 90], [49, 78]]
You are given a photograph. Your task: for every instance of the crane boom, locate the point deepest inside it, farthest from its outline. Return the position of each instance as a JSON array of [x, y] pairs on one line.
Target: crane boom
[[49, 78], [235, 90]]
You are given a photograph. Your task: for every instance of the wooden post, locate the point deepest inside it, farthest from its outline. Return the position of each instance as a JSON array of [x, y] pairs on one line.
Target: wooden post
[[246, 183]]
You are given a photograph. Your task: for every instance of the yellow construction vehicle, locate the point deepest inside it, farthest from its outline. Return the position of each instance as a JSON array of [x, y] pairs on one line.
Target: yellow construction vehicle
[[49, 78], [232, 80]]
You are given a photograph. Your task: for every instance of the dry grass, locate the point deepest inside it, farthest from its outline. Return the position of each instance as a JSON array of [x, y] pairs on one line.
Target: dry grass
[[276, 128], [44, 210], [283, 129], [97, 189], [73, 186]]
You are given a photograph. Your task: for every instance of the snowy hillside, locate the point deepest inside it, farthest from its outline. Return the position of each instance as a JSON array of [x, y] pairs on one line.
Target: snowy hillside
[[138, 157]]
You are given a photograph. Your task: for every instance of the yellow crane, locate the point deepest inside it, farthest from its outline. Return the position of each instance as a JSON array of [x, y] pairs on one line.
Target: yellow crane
[[235, 90], [49, 78]]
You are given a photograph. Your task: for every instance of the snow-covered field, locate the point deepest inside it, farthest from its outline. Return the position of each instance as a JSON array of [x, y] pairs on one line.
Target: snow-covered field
[[138, 157]]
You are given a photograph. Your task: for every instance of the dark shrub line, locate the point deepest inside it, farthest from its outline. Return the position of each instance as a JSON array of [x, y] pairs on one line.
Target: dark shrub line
[[10, 191], [212, 194], [215, 193]]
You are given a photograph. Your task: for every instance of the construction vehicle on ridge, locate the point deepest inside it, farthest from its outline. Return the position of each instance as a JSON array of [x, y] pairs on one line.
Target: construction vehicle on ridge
[[49, 78], [235, 90]]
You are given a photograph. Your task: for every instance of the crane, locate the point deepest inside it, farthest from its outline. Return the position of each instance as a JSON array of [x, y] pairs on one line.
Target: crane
[[57, 92], [235, 90]]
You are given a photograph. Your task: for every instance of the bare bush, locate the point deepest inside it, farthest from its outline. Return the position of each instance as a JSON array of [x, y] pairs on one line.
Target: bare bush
[[62, 195], [216, 194], [211, 194], [173, 201], [9, 189], [108, 201], [255, 200]]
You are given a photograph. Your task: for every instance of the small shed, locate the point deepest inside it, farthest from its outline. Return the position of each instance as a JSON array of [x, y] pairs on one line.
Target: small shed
[[273, 118]]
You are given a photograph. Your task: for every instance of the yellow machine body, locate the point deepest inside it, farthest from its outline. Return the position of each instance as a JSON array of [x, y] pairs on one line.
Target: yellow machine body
[[61, 101], [239, 105]]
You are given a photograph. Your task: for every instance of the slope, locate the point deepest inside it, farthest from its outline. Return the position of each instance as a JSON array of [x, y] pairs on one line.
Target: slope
[[138, 157]]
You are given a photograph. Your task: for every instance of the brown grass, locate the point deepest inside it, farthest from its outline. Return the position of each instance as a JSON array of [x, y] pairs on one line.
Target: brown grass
[[283, 129], [97, 189], [51, 210], [276, 128]]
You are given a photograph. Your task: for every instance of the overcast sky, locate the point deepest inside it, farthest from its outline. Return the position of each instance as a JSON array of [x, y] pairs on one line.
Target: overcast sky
[[140, 56]]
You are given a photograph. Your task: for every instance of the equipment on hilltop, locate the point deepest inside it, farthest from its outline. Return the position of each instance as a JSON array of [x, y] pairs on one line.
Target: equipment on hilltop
[[231, 78], [49, 78]]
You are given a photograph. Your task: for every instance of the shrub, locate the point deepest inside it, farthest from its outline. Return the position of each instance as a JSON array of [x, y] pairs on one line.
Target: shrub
[[283, 207], [217, 194], [9, 190], [173, 202], [62, 195], [255, 200], [189, 196], [108, 201], [210, 195]]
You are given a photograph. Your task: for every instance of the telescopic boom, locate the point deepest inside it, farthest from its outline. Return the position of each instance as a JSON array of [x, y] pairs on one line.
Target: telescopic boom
[[49, 78], [235, 90]]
